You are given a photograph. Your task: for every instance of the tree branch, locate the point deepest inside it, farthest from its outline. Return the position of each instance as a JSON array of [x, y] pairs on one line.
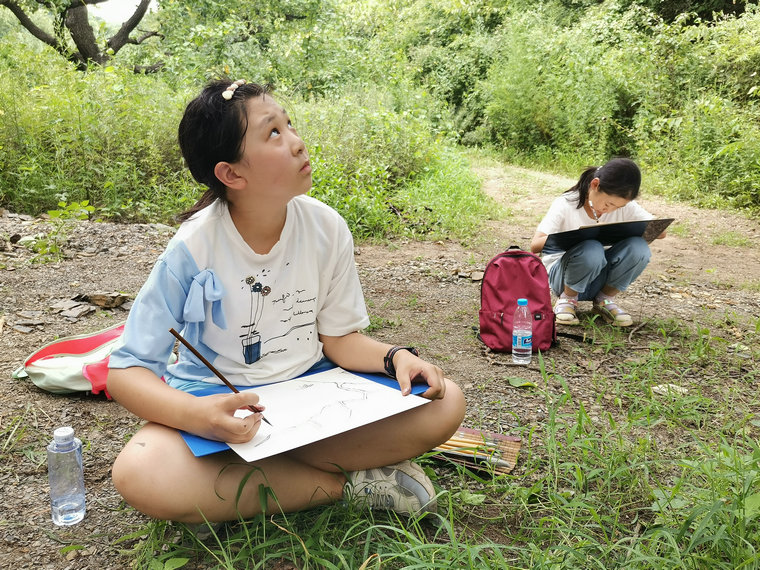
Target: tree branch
[[27, 22], [121, 38], [156, 67], [145, 36]]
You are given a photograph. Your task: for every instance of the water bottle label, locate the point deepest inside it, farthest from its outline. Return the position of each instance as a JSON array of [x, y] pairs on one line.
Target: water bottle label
[[522, 341]]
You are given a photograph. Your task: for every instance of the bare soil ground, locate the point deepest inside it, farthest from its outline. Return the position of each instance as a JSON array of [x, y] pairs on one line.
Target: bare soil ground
[[419, 293]]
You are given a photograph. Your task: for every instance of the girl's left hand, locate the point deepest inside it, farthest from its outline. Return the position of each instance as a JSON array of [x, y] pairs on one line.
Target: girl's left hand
[[411, 368]]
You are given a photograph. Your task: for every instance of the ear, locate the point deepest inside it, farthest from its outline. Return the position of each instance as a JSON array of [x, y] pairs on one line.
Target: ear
[[229, 176]]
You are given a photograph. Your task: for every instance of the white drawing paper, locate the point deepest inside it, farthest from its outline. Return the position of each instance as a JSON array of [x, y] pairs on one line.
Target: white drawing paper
[[310, 408]]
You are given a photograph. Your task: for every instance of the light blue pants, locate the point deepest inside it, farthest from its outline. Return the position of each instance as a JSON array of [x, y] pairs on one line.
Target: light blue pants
[[587, 267]]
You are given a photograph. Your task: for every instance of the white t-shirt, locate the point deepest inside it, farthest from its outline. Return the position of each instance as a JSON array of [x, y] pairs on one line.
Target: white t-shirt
[[564, 215], [256, 318]]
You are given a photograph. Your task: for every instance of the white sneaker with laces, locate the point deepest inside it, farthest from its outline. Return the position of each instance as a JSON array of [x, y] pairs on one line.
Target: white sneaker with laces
[[403, 488]]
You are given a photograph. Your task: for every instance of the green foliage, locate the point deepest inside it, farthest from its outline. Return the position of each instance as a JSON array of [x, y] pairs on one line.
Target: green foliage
[[109, 137], [105, 137], [49, 246], [680, 97], [705, 141], [383, 170], [558, 83], [449, 47]]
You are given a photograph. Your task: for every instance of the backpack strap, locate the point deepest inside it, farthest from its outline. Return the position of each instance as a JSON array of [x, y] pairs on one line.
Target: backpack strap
[[578, 337]]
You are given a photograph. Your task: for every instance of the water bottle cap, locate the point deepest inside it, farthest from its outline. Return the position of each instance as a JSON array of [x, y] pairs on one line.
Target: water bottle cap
[[522, 302], [63, 434]]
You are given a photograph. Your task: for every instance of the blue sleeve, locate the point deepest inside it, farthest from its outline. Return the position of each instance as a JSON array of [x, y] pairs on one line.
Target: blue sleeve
[[174, 296]]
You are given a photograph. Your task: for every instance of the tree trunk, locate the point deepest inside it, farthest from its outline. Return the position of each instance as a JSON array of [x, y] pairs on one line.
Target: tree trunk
[[84, 38]]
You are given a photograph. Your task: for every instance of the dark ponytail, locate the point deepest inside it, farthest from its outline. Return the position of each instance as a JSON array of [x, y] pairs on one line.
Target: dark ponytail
[[618, 177], [212, 131]]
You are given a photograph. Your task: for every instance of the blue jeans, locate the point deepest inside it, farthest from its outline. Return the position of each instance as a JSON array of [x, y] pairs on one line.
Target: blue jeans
[[587, 267]]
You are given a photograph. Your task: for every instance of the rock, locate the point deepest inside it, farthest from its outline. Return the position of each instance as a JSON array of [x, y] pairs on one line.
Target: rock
[[77, 311], [64, 305], [105, 300]]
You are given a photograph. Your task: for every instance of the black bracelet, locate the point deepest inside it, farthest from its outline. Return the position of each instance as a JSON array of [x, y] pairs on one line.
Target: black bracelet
[[390, 369]]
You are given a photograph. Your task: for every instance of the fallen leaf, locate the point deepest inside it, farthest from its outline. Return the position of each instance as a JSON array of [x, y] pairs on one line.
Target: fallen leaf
[[520, 382], [665, 389]]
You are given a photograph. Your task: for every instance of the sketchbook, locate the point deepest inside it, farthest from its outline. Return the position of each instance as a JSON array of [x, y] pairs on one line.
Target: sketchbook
[[607, 234], [312, 407]]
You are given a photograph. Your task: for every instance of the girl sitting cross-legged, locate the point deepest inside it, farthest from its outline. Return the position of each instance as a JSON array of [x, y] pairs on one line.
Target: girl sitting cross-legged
[[261, 280]]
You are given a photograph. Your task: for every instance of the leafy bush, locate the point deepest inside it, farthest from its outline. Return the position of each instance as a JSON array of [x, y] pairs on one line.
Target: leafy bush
[[680, 97], [367, 145], [710, 153], [566, 88], [107, 136], [449, 46]]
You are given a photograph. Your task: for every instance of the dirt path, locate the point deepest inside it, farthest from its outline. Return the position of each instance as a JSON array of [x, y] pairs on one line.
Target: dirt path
[[417, 293]]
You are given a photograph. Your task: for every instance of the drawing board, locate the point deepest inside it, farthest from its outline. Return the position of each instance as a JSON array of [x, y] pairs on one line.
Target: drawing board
[[607, 234], [309, 408]]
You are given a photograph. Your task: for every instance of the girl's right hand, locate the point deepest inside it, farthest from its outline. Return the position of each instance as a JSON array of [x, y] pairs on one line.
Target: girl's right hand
[[213, 417]]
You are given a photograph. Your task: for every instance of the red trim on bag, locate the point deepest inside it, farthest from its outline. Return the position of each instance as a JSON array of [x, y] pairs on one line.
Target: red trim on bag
[[76, 345], [97, 374]]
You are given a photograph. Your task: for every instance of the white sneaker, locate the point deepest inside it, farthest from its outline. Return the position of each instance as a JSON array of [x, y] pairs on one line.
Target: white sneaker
[[402, 487]]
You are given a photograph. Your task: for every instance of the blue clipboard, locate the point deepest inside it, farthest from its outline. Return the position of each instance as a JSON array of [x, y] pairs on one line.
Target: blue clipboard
[[201, 446]]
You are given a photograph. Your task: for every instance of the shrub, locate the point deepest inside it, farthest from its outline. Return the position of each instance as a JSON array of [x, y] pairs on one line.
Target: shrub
[[106, 136], [366, 145]]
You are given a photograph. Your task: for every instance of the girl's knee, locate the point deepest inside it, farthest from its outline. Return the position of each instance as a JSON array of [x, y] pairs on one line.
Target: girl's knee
[[635, 249], [589, 247], [456, 402], [143, 475], [589, 255], [134, 474], [128, 474], [451, 410], [640, 248]]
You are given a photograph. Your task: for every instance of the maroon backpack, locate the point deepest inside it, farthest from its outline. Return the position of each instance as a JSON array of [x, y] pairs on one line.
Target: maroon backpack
[[509, 276]]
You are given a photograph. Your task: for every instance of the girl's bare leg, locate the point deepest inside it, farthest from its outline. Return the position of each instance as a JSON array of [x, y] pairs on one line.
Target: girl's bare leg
[[158, 474]]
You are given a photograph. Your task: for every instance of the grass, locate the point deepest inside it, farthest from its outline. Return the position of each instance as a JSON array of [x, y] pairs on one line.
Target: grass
[[732, 239], [619, 476], [627, 477]]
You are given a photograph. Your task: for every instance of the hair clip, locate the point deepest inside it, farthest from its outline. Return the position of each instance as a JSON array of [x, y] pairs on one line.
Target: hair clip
[[230, 91]]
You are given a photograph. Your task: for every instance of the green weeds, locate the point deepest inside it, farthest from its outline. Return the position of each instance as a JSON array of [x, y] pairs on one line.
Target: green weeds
[[49, 247], [657, 479]]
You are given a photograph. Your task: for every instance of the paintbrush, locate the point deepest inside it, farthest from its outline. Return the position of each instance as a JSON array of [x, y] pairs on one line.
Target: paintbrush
[[476, 456], [215, 371]]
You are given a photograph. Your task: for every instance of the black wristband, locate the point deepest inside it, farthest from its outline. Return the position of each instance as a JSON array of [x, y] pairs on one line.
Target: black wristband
[[390, 370]]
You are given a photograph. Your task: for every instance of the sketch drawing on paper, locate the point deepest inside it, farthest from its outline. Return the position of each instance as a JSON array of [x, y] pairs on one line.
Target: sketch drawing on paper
[[307, 409]]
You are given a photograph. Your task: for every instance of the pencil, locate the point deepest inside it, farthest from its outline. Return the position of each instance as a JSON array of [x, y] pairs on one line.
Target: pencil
[[215, 371]]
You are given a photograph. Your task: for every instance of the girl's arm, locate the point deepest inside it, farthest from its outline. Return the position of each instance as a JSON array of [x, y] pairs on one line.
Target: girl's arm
[[537, 242], [361, 353], [144, 394]]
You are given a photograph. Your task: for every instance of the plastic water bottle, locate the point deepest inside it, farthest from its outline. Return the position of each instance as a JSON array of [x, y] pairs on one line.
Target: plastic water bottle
[[66, 477], [522, 333]]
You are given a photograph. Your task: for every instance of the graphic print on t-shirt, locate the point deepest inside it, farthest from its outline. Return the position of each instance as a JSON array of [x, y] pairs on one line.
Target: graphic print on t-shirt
[[293, 308], [252, 337]]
